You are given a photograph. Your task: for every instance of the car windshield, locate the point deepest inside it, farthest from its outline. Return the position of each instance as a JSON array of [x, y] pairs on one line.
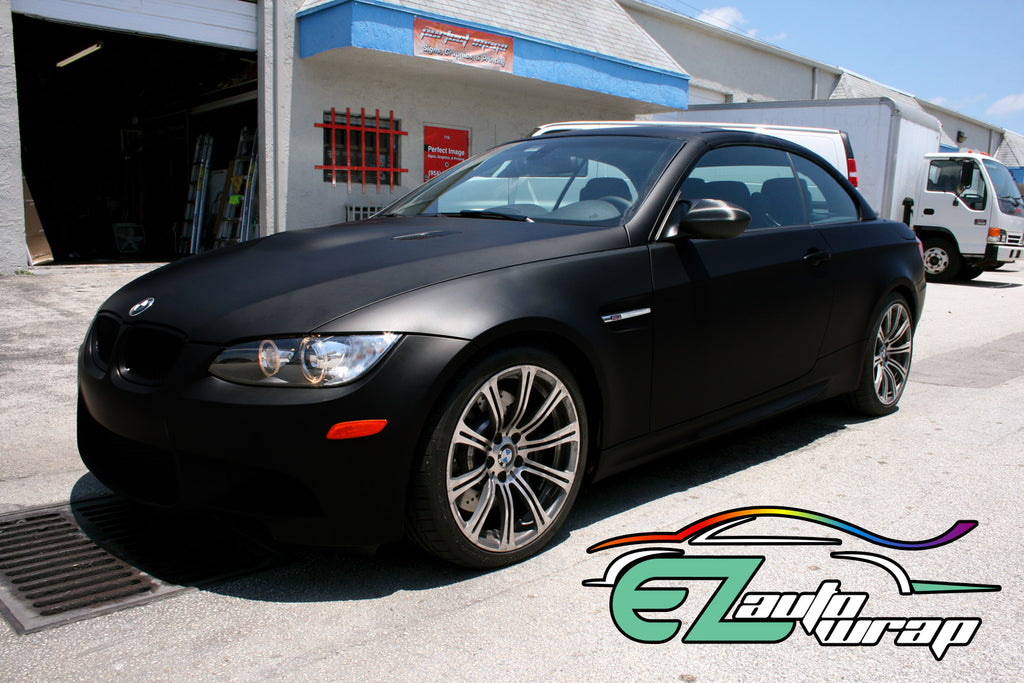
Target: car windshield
[[1010, 201], [593, 179]]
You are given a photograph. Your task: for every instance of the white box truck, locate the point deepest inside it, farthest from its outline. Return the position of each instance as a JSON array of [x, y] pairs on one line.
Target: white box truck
[[969, 216], [966, 209]]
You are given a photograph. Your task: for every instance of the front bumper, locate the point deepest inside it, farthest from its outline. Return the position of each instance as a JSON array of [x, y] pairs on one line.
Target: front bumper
[[996, 255], [190, 439]]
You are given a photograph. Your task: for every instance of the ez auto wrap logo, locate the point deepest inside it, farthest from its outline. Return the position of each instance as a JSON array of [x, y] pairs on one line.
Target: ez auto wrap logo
[[645, 586]]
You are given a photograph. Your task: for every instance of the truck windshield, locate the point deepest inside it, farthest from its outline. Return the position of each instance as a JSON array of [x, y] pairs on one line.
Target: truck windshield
[[1010, 201]]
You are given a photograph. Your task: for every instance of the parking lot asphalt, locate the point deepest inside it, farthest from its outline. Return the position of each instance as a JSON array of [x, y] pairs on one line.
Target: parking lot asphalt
[[952, 452]]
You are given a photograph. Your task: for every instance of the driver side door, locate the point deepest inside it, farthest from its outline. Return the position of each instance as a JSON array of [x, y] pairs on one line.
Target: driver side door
[[735, 318]]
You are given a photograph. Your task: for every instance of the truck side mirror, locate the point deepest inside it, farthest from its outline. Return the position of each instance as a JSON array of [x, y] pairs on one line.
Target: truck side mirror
[[966, 176]]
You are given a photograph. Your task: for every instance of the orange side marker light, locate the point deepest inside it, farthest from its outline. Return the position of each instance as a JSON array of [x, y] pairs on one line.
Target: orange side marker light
[[356, 429]]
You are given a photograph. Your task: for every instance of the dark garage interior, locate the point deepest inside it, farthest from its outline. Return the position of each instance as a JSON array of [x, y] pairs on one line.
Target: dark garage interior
[[108, 140]]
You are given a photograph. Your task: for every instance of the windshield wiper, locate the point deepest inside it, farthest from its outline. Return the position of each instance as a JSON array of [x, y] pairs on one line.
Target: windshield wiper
[[485, 213]]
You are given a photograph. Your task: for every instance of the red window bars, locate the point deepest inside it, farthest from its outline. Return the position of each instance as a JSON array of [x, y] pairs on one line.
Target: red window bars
[[368, 147]]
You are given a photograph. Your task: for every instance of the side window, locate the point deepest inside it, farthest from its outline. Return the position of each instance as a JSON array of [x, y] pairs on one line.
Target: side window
[[975, 196], [827, 201], [944, 176], [757, 179]]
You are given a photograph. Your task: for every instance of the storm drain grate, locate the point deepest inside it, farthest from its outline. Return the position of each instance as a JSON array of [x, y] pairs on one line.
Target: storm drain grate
[[67, 563]]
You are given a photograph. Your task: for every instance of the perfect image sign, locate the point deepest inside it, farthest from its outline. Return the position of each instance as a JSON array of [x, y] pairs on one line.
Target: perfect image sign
[[442, 149], [462, 45]]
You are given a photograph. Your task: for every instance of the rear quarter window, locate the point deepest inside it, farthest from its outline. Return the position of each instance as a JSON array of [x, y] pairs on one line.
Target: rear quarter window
[[827, 200]]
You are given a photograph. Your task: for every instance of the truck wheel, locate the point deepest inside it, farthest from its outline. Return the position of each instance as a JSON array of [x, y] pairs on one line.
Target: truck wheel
[[969, 272], [941, 259]]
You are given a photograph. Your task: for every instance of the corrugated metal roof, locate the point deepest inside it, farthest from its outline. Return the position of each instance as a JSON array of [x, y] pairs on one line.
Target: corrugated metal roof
[[1011, 150], [596, 26]]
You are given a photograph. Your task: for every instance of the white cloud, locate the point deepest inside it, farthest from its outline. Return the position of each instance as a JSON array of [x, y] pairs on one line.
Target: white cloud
[[728, 18], [732, 19], [961, 104], [1011, 104]]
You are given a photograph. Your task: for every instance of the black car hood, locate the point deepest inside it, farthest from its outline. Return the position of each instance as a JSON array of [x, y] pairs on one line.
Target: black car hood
[[297, 281]]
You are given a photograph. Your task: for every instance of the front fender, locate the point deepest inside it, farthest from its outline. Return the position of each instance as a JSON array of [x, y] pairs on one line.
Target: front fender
[[564, 298]]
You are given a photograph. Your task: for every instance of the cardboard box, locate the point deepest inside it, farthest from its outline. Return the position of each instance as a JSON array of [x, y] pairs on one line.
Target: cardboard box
[[35, 239]]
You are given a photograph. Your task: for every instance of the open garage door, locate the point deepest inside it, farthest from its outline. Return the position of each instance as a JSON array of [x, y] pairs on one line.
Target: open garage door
[[108, 138], [221, 23]]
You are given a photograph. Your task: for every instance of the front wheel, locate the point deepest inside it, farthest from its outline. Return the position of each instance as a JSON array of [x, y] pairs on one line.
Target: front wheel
[[887, 363], [941, 259], [504, 463]]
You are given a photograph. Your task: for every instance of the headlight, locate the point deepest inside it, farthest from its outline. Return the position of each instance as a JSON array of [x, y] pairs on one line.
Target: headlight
[[313, 361], [996, 236]]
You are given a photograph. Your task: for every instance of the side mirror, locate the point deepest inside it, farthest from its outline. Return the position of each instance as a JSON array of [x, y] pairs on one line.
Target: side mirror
[[706, 219], [966, 176]]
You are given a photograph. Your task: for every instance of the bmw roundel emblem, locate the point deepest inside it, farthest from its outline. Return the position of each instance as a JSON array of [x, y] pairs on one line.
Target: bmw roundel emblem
[[141, 307]]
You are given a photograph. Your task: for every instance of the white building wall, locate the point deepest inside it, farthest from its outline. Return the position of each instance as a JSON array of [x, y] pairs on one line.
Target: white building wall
[[12, 202], [505, 109], [275, 30], [979, 137], [738, 68]]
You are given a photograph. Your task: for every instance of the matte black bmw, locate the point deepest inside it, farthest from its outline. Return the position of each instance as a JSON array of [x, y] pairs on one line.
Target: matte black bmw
[[554, 310]]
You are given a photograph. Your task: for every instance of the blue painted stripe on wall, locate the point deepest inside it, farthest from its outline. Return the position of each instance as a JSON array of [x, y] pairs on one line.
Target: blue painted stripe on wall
[[565, 67], [377, 26], [330, 27]]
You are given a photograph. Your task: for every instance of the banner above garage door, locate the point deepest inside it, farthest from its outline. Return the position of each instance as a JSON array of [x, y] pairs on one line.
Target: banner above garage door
[[224, 23]]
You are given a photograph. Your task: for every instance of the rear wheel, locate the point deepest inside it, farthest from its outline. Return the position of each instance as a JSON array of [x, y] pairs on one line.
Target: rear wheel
[[941, 259], [969, 272], [504, 464], [887, 363]]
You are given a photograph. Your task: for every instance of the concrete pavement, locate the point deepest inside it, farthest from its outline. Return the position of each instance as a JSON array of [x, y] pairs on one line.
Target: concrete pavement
[[953, 451]]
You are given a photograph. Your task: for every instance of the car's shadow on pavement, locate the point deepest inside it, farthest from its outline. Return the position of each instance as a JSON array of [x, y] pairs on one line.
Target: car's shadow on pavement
[[984, 284], [707, 461], [224, 558]]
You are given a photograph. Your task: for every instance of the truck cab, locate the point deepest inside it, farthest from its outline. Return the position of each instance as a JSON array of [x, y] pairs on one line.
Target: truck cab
[[969, 215]]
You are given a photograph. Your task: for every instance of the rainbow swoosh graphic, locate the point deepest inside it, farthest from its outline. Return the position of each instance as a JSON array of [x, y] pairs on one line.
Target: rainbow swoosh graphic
[[958, 530]]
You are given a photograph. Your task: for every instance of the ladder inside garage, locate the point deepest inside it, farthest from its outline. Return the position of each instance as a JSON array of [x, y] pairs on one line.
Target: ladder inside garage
[[238, 221], [189, 237]]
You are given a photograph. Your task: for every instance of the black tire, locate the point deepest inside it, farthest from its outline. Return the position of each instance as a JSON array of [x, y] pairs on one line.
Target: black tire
[[941, 259], [523, 460], [886, 367], [969, 272]]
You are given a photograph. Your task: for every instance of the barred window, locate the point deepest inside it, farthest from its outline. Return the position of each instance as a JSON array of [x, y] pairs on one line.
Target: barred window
[[361, 149]]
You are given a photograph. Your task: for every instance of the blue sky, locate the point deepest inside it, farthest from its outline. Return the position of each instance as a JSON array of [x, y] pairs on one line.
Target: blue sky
[[967, 56]]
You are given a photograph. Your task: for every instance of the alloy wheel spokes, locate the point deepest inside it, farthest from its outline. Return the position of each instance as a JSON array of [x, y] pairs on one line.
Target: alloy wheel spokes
[[893, 348], [459, 485], [473, 527], [551, 403], [513, 458], [559, 478], [568, 434], [467, 436]]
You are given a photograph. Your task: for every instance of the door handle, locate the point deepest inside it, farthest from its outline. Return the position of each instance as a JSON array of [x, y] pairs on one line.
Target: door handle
[[929, 212], [816, 257]]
